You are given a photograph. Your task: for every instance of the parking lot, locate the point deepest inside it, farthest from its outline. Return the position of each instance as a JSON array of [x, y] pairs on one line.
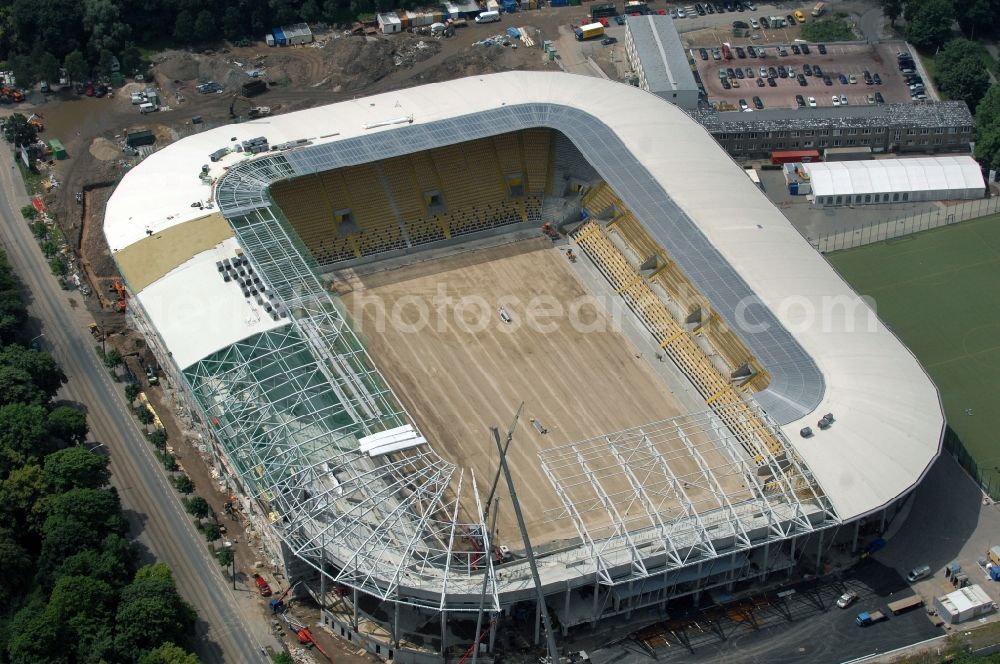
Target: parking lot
[[840, 59]]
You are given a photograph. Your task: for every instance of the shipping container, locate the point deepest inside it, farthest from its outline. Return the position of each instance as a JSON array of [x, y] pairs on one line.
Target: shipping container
[[604, 10], [793, 156], [58, 149], [252, 88]]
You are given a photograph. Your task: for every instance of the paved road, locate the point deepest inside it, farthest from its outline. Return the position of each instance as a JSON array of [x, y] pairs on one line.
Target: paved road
[[159, 524]]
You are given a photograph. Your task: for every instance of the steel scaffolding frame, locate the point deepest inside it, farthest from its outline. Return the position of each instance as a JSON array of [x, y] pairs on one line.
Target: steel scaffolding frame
[[628, 498]]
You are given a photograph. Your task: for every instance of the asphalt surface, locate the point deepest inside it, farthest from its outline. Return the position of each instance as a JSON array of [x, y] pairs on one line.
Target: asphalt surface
[[158, 522]]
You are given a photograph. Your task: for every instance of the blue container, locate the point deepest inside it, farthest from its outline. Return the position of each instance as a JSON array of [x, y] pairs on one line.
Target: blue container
[[793, 188], [513, 33]]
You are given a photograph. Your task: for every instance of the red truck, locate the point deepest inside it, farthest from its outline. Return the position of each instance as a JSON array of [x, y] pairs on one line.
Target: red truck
[[727, 53], [262, 585]]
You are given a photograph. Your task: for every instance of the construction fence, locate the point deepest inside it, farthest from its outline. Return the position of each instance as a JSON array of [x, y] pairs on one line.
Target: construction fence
[[887, 229]]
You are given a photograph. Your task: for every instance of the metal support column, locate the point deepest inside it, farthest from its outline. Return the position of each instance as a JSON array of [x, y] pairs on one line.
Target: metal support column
[[764, 567], [538, 621], [854, 540], [697, 592], [444, 634], [819, 553], [395, 625], [597, 594], [791, 555], [565, 621], [354, 601]]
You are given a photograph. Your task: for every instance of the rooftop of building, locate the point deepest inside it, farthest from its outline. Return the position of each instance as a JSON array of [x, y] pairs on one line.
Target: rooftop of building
[[664, 59]]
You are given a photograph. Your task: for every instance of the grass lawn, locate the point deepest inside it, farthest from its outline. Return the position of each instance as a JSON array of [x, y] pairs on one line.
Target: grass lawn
[[940, 292]]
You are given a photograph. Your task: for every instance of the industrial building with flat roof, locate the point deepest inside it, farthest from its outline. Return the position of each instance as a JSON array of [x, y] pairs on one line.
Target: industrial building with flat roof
[[927, 127], [659, 59], [895, 180], [806, 417]]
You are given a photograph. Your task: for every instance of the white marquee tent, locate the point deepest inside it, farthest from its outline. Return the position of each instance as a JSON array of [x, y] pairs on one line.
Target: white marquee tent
[[895, 180]]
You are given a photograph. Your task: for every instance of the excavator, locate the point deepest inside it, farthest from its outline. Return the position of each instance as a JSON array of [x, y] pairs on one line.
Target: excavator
[[35, 121], [240, 106], [122, 302]]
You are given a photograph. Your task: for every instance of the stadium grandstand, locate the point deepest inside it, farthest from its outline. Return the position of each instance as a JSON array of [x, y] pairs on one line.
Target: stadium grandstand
[[748, 412]]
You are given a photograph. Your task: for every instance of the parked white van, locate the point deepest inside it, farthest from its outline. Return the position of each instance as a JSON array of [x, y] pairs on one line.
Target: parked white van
[[147, 108], [488, 17]]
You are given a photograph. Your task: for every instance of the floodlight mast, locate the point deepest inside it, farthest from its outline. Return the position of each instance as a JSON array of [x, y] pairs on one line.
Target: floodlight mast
[[550, 637]]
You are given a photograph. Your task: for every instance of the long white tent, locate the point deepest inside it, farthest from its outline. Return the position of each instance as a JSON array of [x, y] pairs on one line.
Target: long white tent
[[895, 180]]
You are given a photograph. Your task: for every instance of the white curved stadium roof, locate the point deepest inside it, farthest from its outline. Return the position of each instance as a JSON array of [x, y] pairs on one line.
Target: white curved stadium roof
[[823, 345]]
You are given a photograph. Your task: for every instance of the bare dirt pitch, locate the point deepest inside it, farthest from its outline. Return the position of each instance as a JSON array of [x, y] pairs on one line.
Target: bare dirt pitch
[[460, 369]]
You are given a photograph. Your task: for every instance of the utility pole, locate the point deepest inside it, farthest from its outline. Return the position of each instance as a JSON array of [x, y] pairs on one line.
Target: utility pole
[[496, 477], [539, 596]]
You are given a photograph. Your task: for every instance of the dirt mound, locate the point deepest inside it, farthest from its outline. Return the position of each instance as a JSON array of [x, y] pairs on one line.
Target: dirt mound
[[481, 60], [104, 149], [182, 66]]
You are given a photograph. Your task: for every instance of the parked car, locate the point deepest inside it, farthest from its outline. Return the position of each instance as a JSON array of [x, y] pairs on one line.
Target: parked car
[[703, 53], [739, 72], [853, 79], [791, 71], [821, 48], [782, 51], [802, 80], [791, 19], [817, 71], [796, 50], [751, 51], [620, 20], [726, 84], [757, 103], [760, 83], [772, 72], [918, 573], [870, 99], [771, 82], [764, 22], [749, 72], [607, 41], [763, 72], [782, 72], [867, 75], [799, 101], [751, 6], [847, 599], [877, 79], [741, 25], [806, 69], [812, 102], [843, 100], [827, 81], [805, 49], [755, 24], [730, 73], [879, 99], [843, 79], [743, 105], [716, 54], [740, 53], [836, 100]]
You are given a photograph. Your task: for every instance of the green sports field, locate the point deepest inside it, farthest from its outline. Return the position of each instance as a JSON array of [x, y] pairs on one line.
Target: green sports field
[[940, 292]]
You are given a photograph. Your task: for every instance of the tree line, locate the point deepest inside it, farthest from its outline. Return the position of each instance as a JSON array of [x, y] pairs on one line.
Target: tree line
[[37, 37], [73, 590]]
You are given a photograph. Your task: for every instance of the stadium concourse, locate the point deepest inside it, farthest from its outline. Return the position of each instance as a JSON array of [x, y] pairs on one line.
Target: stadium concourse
[[766, 414]]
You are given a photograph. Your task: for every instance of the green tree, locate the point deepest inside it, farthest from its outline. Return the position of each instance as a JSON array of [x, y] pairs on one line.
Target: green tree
[[18, 131], [976, 14], [35, 637], [184, 27], [16, 564], [132, 392], [47, 68], [95, 510], [103, 24], [113, 358], [224, 556], [104, 62], [29, 212], [892, 9], [68, 424], [961, 73], [988, 129], [930, 26], [83, 609], [76, 468], [184, 485], [43, 370], [58, 266], [113, 561], [232, 24], [204, 27], [151, 613], [49, 248], [23, 435], [168, 653], [76, 66], [131, 60], [143, 415], [198, 507], [282, 658], [24, 500], [12, 309]]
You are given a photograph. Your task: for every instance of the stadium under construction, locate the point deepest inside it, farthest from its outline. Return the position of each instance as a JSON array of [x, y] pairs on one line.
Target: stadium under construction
[[737, 411]]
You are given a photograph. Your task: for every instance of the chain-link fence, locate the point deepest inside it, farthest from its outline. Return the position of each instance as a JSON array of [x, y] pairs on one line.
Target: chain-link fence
[[887, 229], [987, 479]]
